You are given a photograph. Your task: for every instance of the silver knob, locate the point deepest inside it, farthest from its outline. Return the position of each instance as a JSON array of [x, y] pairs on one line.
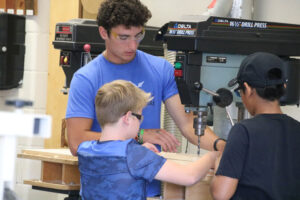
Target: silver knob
[[4, 49]]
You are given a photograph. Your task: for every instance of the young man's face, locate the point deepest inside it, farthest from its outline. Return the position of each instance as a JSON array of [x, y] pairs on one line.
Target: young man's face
[[247, 102], [122, 43]]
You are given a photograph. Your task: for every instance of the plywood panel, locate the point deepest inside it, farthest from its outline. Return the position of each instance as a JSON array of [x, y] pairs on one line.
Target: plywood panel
[[70, 174], [60, 11], [51, 172], [173, 191], [198, 191]]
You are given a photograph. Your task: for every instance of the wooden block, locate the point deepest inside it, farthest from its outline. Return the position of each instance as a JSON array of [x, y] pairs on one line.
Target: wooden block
[[70, 174], [10, 6], [2, 6], [31, 7], [173, 191], [180, 157], [200, 190], [51, 172], [20, 7]]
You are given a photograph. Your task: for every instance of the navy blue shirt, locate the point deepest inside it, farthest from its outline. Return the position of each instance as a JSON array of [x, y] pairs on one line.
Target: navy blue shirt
[[116, 169], [264, 154]]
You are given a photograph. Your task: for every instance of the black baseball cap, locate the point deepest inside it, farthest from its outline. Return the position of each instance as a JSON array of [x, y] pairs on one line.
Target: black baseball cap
[[257, 69]]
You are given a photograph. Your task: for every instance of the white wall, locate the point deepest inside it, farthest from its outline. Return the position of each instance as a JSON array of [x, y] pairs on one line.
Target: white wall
[[164, 11], [284, 12], [34, 89]]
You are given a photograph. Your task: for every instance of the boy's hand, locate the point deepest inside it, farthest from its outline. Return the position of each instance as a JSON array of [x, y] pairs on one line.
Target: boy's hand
[[151, 147]]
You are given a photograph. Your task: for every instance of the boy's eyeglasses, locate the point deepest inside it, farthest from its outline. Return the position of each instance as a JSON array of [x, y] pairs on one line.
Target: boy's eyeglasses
[[125, 38], [138, 116]]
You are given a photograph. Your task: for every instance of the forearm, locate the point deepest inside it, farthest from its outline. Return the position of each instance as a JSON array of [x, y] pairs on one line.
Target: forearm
[[76, 139], [78, 131], [223, 188], [200, 168], [186, 174]]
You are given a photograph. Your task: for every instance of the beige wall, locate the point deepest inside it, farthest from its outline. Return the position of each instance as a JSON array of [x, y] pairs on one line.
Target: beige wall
[[60, 11]]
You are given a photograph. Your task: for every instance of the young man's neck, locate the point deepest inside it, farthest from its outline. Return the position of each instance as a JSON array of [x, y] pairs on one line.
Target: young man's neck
[[112, 133], [267, 107], [112, 59]]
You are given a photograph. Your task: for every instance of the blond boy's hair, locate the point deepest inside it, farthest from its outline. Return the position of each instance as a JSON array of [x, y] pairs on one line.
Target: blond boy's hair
[[116, 98]]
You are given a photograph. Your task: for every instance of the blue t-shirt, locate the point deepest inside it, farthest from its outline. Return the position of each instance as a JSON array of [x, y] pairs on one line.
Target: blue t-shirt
[[150, 73], [116, 169]]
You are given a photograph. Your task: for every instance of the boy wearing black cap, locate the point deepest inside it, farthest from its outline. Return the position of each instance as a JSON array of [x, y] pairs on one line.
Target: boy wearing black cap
[[261, 159]]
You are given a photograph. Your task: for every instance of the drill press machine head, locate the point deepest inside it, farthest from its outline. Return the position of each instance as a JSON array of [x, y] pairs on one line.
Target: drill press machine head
[[209, 54]]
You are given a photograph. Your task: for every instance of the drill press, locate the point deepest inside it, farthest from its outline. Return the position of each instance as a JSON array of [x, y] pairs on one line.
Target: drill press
[[208, 56]]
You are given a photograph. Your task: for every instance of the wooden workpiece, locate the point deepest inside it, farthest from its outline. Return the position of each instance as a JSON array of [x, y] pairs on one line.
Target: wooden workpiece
[[60, 171], [59, 168]]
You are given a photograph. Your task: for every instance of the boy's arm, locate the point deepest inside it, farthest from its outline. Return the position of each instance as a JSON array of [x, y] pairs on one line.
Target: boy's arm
[[78, 131], [187, 174], [223, 187]]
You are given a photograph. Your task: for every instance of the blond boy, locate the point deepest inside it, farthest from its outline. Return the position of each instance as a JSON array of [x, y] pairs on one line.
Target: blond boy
[[116, 166]]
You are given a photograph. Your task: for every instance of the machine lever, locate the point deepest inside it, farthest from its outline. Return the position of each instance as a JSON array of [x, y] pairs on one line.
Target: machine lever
[[229, 116], [210, 92]]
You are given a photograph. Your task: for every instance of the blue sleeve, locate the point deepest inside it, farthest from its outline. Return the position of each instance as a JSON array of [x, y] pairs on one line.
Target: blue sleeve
[[169, 83], [143, 163], [81, 101], [235, 152]]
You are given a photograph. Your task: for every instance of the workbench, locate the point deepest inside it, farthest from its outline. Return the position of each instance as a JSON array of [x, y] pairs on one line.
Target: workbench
[[59, 173]]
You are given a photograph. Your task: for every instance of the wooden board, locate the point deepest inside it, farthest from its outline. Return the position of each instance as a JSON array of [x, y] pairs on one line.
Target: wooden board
[[56, 186], [180, 157], [63, 156]]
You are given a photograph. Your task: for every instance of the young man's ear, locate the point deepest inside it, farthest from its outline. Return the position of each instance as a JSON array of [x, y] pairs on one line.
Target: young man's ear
[[248, 90], [103, 32]]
